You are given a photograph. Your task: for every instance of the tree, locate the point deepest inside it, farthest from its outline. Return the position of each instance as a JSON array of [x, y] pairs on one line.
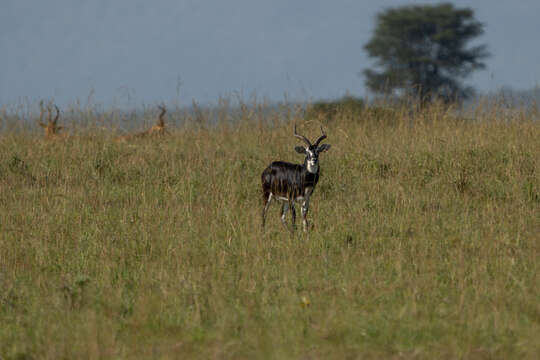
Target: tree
[[423, 52]]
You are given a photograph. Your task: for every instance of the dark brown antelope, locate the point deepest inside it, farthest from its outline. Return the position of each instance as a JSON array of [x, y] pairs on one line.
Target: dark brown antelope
[[290, 183], [157, 130], [52, 129]]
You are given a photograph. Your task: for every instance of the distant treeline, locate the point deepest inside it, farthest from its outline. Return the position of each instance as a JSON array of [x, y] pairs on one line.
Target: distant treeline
[[24, 116]]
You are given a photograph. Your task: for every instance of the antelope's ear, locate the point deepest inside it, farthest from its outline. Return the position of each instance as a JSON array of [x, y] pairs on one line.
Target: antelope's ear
[[300, 149], [323, 148]]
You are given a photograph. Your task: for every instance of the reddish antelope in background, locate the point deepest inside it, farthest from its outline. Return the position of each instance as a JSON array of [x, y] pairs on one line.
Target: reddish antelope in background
[[156, 130], [52, 129], [289, 183]]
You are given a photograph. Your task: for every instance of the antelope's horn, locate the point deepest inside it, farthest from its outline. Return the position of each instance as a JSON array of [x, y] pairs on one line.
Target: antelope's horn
[[49, 114], [323, 136], [161, 122], [41, 111], [301, 137], [57, 114]]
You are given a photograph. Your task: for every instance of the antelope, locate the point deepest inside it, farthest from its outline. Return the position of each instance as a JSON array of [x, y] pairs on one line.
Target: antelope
[[290, 183], [52, 129], [157, 130]]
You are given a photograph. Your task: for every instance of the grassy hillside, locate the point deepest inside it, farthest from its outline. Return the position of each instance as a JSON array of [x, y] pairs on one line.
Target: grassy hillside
[[425, 243]]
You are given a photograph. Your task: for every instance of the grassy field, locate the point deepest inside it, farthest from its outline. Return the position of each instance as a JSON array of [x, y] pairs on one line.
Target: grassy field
[[425, 244]]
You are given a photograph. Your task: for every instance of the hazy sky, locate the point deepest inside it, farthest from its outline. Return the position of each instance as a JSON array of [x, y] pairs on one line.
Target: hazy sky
[[138, 51]]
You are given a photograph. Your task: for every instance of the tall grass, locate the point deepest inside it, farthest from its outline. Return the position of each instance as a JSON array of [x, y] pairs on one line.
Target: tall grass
[[425, 241]]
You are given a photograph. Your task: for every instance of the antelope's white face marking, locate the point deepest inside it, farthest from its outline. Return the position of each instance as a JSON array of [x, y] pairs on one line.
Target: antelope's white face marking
[[312, 166], [312, 161]]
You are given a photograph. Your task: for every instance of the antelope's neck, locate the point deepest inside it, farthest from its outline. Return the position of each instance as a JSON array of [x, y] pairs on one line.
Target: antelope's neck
[[312, 169], [311, 179]]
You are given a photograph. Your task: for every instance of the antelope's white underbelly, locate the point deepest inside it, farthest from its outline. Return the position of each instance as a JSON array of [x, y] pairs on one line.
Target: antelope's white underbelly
[[298, 198], [282, 198]]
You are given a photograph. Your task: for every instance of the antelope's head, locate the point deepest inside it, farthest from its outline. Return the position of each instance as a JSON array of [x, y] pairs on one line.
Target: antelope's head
[[311, 151]]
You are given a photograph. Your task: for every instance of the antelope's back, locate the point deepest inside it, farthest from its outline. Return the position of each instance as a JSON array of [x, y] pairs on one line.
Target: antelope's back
[[280, 176]]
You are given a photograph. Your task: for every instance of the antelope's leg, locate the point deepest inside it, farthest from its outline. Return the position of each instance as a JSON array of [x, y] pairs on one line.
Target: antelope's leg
[[268, 201], [284, 209], [293, 213], [305, 208]]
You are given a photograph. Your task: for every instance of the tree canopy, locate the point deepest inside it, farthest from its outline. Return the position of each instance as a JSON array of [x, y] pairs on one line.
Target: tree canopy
[[422, 51]]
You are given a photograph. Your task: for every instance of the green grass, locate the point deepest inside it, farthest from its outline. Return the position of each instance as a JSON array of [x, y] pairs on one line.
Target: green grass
[[425, 243]]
